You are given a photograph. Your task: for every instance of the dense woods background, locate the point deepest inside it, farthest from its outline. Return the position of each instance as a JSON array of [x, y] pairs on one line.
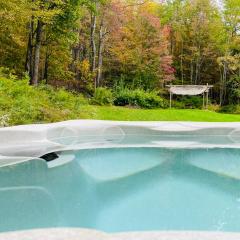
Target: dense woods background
[[129, 49]]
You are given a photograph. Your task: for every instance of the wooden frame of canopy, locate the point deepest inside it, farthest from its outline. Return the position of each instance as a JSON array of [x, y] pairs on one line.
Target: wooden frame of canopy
[[190, 90]]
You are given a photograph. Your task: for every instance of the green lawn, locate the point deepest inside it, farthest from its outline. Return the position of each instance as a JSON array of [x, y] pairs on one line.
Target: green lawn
[[24, 104], [126, 114]]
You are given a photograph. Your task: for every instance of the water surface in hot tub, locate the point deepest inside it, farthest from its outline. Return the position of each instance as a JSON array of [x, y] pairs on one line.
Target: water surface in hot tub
[[125, 189]]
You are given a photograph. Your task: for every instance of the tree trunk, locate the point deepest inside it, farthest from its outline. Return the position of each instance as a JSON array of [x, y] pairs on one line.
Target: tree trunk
[[45, 76], [191, 73], [28, 61], [102, 33], [224, 81], [196, 72], [34, 79], [172, 41], [92, 42], [181, 62], [220, 88], [29, 55]]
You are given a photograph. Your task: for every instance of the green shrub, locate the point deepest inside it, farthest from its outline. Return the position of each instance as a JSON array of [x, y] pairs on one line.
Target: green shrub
[[178, 104], [139, 98], [102, 96], [188, 102], [233, 90], [214, 107], [24, 104], [5, 72], [4, 120], [230, 109]]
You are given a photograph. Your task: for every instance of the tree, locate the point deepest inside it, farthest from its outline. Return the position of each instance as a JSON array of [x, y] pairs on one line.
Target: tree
[[229, 62], [196, 37], [137, 46], [13, 18], [57, 15]]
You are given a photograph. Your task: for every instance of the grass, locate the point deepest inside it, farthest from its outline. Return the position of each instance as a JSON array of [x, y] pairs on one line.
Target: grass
[[127, 114], [24, 104]]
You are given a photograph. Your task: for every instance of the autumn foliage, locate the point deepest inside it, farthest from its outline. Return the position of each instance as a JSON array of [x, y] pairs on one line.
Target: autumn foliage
[[122, 44]]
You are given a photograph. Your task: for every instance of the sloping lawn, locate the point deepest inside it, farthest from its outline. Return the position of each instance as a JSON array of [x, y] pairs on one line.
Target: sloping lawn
[[126, 114]]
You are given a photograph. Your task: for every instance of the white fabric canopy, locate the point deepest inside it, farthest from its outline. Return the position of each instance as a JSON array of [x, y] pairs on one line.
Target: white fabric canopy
[[188, 89]]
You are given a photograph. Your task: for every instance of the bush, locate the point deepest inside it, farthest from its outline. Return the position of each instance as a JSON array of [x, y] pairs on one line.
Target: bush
[[23, 104], [233, 90], [230, 109], [178, 104], [188, 102], [102, 96], [4, 120], [139, 98]]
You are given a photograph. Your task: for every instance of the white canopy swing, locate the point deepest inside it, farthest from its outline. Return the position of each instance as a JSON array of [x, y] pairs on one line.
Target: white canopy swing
[[190, 90]]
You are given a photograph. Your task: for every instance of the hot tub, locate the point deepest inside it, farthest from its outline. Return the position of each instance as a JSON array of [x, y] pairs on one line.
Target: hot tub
[[116, 178]]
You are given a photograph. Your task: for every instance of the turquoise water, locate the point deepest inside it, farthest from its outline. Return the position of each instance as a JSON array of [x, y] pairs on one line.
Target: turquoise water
[[125, 189]]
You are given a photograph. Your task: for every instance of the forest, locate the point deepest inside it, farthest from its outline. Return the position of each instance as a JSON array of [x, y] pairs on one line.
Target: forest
[[120, 52]]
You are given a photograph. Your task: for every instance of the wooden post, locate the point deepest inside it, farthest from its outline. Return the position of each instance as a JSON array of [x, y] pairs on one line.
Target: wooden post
[[203, 100], [207, 97], [170, 99], [170, 102]]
